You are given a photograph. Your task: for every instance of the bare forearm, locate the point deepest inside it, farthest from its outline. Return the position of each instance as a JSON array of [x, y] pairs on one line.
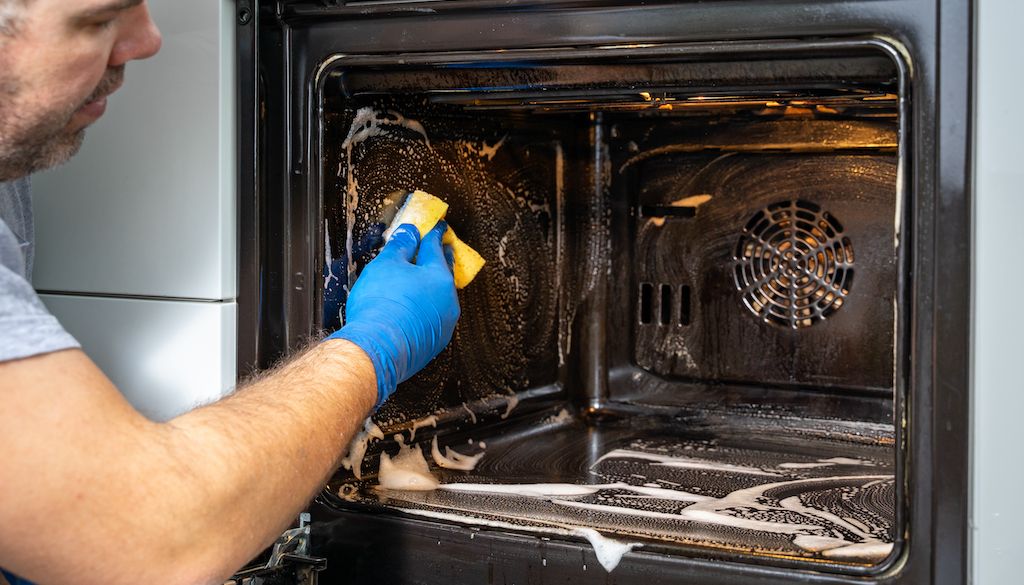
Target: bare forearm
[[189, 501], [262, 453]]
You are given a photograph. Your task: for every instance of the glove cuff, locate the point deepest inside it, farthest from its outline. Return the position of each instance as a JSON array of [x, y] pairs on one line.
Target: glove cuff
[[383, 364]]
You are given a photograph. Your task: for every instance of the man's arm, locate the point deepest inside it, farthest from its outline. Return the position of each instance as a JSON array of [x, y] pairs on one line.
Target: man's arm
[[92, 492], [114, 498]]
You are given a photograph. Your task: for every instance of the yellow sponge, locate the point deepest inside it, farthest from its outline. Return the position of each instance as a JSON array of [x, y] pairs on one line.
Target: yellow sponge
[[424, 210], [467, 260]]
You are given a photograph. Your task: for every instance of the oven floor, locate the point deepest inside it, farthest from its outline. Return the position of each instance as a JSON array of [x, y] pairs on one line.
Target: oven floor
[[819, 491]]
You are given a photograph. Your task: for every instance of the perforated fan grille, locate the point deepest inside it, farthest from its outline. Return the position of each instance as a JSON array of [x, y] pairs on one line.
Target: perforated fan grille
[[793, 267]]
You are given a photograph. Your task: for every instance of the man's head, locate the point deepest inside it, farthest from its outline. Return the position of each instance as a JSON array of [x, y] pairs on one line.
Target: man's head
[[59, 60]]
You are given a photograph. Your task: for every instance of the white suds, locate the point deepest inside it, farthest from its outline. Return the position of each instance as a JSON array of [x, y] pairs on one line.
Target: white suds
[[860, 551], [369, 122], [685, 462], [502, 245], [606, 549], [472, 415], [430, 421], [353, 460], [513, 401], [489, 151], [328, 261], [535, 490], [609, 551], [453, 459], [826, 463], [569, 490], [407, 471], [562, 417], [722, 511], [818, 543]]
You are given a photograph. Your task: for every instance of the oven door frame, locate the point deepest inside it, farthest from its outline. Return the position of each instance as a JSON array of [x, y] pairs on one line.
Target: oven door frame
[[278, 222]]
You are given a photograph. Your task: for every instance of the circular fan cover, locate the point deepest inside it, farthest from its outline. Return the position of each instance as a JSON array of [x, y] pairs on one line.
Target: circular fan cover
[[793, 267]]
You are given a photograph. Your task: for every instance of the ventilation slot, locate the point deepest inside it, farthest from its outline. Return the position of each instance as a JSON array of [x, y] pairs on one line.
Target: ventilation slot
[[646, 302], [666, 304], [667, 211], [794, 267], [660, 310], [684, 305]]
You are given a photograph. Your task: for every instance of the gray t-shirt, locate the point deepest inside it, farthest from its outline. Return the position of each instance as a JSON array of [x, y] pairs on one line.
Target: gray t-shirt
[[26, 327]]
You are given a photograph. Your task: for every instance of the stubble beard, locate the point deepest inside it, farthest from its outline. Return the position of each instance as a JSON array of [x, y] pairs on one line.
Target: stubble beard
[[34, 141]]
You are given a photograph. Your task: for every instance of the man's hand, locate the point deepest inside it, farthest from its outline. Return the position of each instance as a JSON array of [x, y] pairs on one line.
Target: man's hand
[[403, 309]]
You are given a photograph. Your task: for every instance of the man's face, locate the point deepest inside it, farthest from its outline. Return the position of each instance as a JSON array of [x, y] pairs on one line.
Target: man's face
[[59, 60]]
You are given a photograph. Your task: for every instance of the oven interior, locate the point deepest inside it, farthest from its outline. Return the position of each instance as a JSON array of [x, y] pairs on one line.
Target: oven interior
[[687, 335]]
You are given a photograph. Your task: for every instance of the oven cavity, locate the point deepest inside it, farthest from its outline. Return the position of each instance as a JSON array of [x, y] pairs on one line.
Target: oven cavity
[[667, 347]]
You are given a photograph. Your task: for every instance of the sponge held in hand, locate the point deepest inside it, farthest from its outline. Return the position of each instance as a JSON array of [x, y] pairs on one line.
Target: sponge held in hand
[[424, 210]]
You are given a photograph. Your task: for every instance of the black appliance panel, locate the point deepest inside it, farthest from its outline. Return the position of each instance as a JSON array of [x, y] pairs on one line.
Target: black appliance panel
[[284, 46]]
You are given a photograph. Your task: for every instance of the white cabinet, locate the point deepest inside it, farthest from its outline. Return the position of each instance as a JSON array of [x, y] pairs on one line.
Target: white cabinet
[[136, 236], [148, 206]]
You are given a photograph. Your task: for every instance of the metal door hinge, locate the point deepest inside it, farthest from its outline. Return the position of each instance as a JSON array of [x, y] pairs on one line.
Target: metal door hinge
[[289, 563]]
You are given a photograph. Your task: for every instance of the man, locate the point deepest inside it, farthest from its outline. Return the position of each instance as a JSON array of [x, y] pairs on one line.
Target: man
[[91, 491]]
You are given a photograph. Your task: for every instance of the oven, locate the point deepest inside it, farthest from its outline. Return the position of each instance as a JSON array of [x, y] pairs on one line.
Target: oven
[[722, 332]]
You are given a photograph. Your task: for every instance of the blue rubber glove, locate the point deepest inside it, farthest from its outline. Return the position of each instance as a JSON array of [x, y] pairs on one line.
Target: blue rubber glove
[[402, 312]]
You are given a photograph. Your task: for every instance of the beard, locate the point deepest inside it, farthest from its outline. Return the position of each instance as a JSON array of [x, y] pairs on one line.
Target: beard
[[33, 139]]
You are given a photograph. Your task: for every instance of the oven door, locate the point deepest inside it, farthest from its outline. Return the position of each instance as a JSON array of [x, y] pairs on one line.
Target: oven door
[[289, 52]]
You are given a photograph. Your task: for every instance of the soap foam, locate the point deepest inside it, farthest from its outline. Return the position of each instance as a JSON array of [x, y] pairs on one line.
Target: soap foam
[[562, 417], [472, 415], [563, 490], [830, 462], [430, 421], [608, 550], [859, 551], [513, 401], [407, 471], [453, 459], [744, 509], [353, 460], [818, 543], [685, 462]]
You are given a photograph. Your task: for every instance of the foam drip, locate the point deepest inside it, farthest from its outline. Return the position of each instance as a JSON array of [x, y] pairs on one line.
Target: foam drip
[[408, 470], [609, 551], [453, 459], [353, 460], [513, 401], [429, 421]]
